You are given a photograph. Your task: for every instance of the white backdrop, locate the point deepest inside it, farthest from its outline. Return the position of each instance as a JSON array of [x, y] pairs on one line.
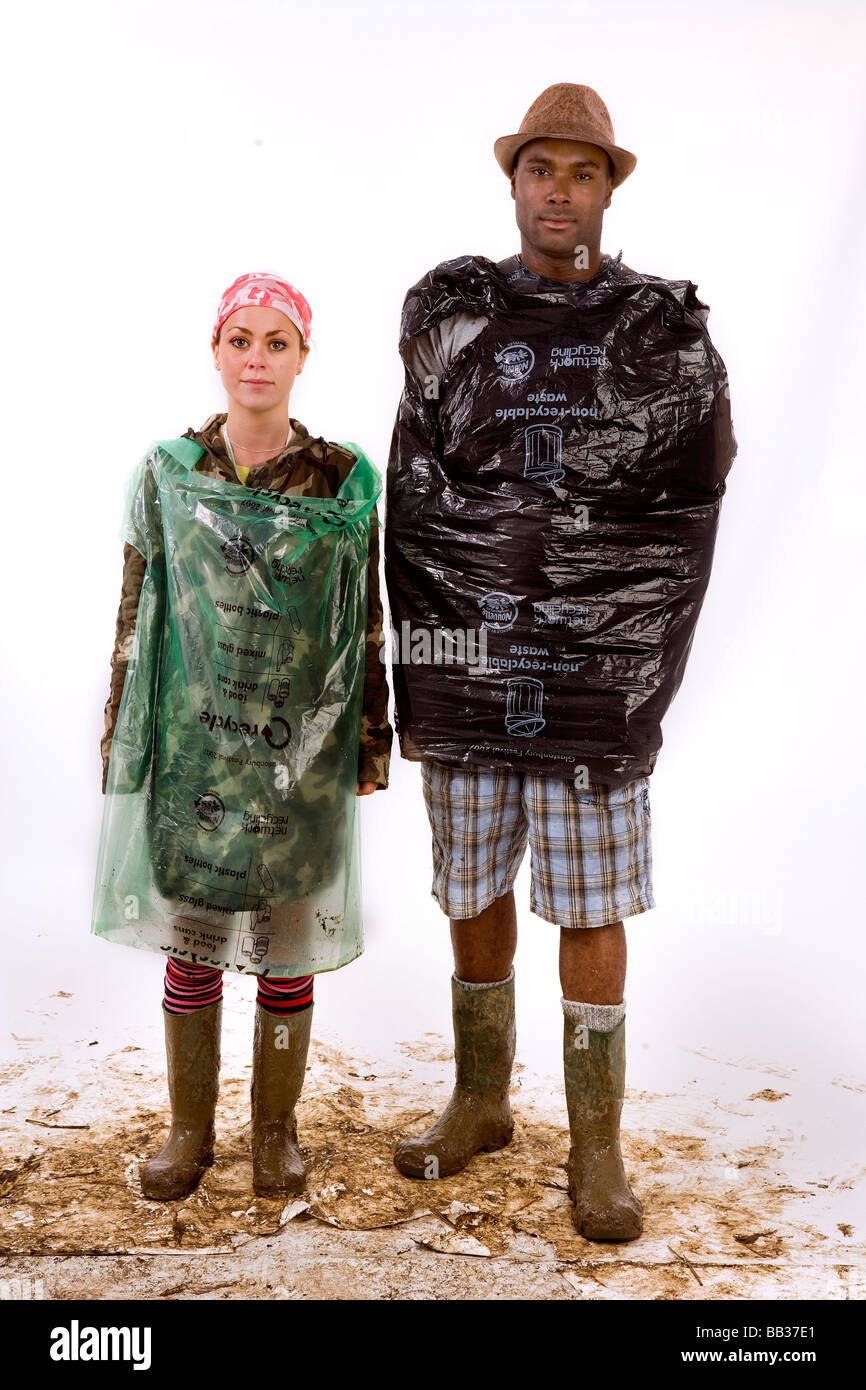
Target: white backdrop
[[155, 151]]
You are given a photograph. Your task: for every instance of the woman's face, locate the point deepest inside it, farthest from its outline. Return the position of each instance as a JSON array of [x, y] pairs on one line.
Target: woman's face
[[258, 356]]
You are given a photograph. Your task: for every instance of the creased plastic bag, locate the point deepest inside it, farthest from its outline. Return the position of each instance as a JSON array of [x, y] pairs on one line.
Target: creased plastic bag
[[229, 832], [553, 500]]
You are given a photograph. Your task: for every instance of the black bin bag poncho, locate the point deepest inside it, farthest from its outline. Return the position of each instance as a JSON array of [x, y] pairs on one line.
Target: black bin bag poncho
[[229, 833], [552, 503]]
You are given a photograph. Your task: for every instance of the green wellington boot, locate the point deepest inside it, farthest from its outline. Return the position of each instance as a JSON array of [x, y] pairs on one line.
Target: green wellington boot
[[192, 1049], [280, 1045], [605, 1208], [478, 1115]]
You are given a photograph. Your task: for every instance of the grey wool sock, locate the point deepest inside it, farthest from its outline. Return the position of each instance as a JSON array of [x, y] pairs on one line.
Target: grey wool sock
[[601, 1018], [487, 984]]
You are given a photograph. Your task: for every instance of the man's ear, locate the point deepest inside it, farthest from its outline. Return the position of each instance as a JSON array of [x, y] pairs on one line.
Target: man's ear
[[513, 194]]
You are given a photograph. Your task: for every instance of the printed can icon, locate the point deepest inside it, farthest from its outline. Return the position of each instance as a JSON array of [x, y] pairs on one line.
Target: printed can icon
[[523, 710], [543, 454], [255, 948], [278, 691]]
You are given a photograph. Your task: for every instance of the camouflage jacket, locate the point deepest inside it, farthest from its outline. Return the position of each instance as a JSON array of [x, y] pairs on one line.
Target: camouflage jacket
[[306, 466]]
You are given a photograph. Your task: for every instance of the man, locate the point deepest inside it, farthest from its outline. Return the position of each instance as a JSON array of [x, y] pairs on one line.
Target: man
[[554, 487]]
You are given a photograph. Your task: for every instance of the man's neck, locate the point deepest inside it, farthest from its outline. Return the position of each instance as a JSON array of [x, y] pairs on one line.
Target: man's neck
[[583, 264]]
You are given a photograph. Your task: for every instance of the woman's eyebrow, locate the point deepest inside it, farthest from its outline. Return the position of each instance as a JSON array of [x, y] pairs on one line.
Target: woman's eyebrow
[[241, 328]]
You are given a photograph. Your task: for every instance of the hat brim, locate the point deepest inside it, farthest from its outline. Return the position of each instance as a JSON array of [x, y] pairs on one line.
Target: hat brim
[[507, 146]]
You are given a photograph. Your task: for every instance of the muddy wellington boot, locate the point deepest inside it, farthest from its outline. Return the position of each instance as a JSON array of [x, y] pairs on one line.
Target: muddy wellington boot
[[280, 1045], [605, 1208], [192, 1049], [478, 1115]]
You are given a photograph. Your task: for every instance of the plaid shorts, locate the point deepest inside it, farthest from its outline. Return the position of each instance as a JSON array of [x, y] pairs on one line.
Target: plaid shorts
[[590, 850]]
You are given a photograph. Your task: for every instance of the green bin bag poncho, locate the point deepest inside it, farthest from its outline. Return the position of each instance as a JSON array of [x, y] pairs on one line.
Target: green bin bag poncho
[[229, 833]]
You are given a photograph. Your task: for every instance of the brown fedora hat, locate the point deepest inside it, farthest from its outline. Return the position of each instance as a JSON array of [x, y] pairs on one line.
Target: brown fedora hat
[[566, 111]]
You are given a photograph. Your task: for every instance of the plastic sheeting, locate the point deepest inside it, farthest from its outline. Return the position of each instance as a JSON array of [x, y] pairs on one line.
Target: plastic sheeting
[[229, 832], [553, 501]]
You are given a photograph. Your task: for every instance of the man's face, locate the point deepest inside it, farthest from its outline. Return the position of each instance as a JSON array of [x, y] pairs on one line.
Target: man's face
[[258, 356], [561, 188]]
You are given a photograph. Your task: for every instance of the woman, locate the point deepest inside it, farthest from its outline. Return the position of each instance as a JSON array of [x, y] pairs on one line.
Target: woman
[[250, 627]]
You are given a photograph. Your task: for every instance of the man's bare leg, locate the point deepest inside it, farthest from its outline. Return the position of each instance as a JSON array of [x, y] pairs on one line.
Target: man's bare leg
[[592, 962], [484, 946]]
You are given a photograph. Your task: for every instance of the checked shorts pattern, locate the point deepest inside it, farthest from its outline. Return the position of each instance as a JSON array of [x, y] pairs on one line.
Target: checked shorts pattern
[[591, 853]]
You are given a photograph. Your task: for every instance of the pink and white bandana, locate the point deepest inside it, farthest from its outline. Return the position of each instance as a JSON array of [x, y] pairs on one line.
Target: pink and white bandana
[[261, 290]]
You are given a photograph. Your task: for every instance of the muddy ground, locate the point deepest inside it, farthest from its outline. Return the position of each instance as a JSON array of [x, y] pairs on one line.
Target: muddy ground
[[737, 1205]]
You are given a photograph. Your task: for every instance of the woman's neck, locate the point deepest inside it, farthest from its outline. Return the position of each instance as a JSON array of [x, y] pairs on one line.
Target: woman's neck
[[257, 437]]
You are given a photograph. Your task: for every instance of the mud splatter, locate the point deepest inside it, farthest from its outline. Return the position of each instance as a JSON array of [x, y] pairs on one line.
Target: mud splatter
[[728, 1213]]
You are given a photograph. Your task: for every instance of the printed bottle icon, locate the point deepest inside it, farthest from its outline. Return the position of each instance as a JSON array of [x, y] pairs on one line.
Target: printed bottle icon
[[523, 710], [543, 454]]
